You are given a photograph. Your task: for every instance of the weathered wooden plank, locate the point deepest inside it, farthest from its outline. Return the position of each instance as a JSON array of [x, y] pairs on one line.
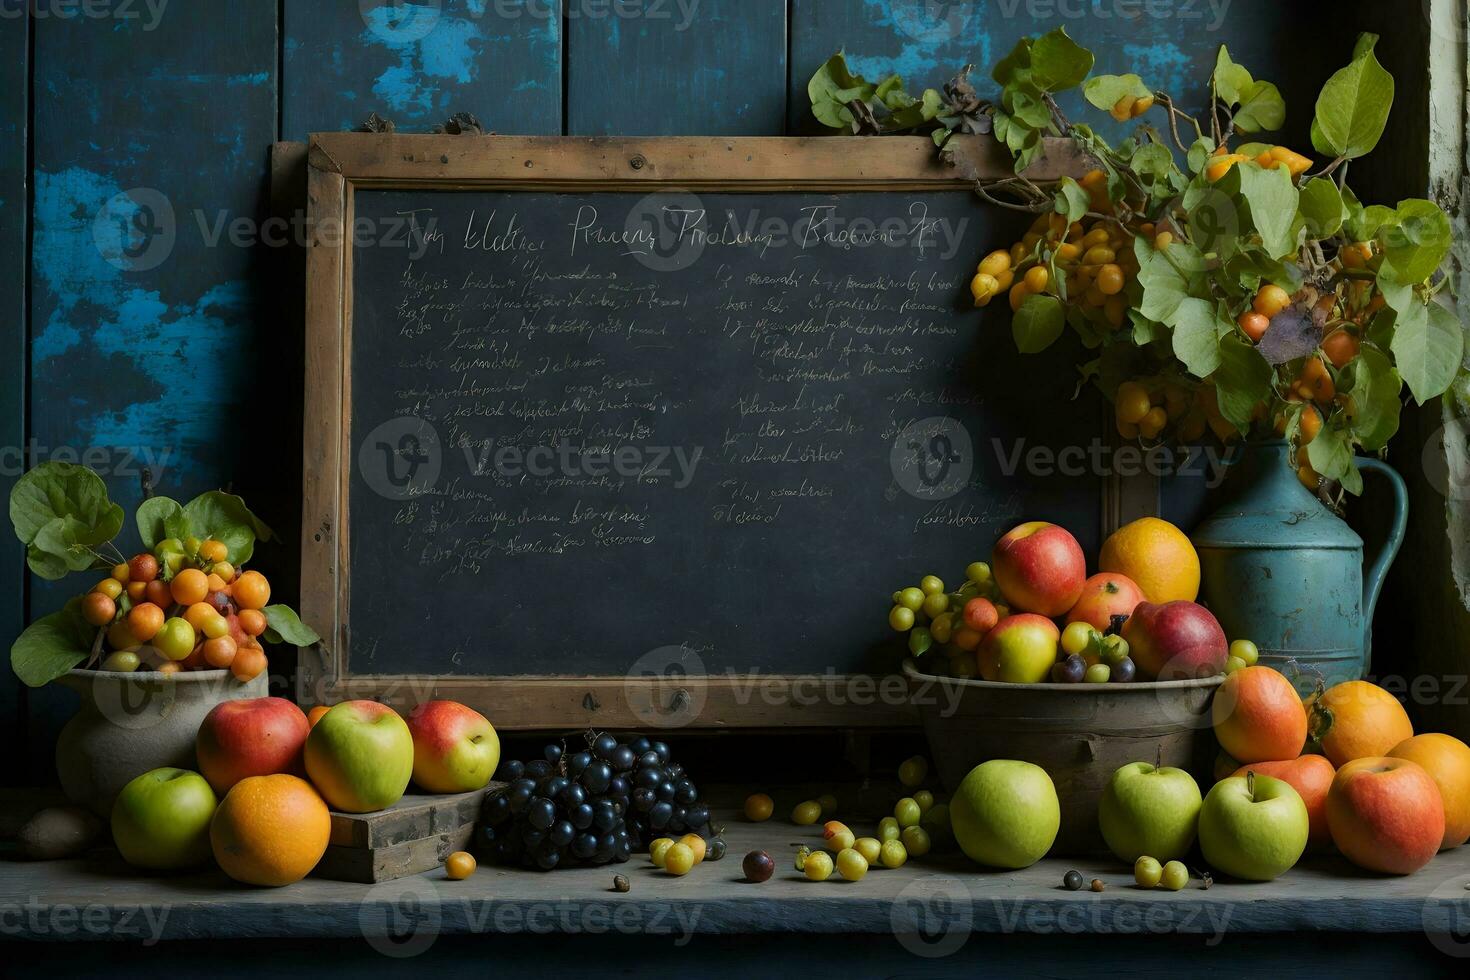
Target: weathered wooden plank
[[836, 163], [936, 894], [152, 126], [14, 208], [418, 63], [697, 67]]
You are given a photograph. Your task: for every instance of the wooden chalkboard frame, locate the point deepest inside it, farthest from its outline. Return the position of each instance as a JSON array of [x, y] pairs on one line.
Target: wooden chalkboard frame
[[340, 163]]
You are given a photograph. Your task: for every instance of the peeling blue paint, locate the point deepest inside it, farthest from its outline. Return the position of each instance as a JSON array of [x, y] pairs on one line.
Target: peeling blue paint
[[102, 311]]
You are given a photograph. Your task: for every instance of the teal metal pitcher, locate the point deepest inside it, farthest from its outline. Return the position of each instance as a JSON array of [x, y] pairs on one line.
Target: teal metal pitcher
[[1278, 567]]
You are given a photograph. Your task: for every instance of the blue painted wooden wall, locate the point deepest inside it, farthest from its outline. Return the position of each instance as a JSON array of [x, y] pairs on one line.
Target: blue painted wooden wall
[[134, 139]]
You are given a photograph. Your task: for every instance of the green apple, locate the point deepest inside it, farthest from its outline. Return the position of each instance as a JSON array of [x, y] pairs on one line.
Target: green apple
[[360, 756], [1253, 827], [1005, 814], [1149, 810], [1019, 649], [160, 820]]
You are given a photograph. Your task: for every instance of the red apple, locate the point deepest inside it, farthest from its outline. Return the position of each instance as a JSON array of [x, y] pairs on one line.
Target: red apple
[[455, 748], [1039, 568], [250, 737], [1175, 640], [1105, 595], [1385, 814]]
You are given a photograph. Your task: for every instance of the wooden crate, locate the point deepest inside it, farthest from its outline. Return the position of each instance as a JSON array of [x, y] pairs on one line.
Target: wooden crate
[[413, 835]]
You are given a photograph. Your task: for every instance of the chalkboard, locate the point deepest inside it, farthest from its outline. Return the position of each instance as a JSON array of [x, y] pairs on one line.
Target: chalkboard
[[616, 433]]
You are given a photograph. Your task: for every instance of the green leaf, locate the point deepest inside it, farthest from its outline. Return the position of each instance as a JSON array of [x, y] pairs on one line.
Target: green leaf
[[1231, 80], [1272, 199], [1072, 200], [1322, 207], [1015, 65], [1261, 108], [1242, 381], [1374, 384], [64, 490], [1416, 242], [224, 517], [155, 517], [51, 646], [1428, 350], [1164, 286], [1331, 455], [59, 542], [284, 626], [1104, 91], [832, 87], [1199, 154], [1038, 323], [1058, 62], [1353, 106], [1197, 336]]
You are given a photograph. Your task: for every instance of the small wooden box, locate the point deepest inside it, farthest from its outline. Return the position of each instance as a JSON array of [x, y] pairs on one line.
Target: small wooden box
[[413, 835]]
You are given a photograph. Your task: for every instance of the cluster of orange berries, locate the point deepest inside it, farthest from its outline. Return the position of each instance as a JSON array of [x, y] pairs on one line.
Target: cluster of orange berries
[[1145, 407], [1271, 156], [1093, 262], [184, 607]]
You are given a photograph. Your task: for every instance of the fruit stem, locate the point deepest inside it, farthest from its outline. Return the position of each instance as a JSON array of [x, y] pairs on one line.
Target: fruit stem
[[1250, 784]]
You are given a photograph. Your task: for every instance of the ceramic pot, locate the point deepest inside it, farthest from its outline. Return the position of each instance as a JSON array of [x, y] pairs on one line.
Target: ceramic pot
[[131, 723], [1280, 568]]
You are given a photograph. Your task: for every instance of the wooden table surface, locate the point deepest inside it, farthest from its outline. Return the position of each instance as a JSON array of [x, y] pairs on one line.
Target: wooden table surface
[[98, 897]]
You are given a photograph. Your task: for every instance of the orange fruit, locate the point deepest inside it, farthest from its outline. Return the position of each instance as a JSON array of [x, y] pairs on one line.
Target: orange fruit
[[252, 621], [1357, 720], [270, 830], [315, 714], [1157, 556], [248, 662], [189, 586], [1447, 760], [1258, 716], [459, 866], [251, 590]]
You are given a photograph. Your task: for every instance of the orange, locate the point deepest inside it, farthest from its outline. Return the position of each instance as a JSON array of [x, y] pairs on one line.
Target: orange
[[1258, 716], [1157, 556], [270, 830], [1356, 719], [1447, 760], [315, 714]]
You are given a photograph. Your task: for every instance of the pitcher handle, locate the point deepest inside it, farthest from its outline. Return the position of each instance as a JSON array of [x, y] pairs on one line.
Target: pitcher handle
[[1375, 573]]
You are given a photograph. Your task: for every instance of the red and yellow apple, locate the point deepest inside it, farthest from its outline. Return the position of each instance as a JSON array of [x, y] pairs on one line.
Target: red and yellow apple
[[1105, 595], [1311, 776], [1385, 814], [1020, 649], [250, 737], [1040, 568], [360, 756], [455, 748], [1175, 640]]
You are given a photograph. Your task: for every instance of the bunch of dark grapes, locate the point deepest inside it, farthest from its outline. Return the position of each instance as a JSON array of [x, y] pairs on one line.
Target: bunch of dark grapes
[[591, 807]]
